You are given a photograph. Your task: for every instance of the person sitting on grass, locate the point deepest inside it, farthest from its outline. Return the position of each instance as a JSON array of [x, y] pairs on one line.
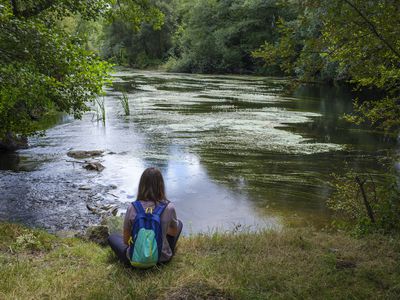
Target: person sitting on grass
[[151, 228]]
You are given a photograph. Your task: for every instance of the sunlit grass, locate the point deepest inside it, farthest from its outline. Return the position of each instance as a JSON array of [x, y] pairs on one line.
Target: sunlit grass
[[291, 264]]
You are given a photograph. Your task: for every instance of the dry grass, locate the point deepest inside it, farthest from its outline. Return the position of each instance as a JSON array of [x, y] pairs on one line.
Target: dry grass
[[295, 263]]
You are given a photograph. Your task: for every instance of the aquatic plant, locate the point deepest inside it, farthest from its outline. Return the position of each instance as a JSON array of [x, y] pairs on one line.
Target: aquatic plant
[[101, 110], [125, 103]]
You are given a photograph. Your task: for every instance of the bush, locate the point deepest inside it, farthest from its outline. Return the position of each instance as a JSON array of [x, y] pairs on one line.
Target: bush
[[366, 203]]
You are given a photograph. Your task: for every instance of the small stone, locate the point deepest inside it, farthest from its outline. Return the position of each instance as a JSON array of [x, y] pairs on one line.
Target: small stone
[[85, 188], [93, 209], [112, 186], [94, 166]]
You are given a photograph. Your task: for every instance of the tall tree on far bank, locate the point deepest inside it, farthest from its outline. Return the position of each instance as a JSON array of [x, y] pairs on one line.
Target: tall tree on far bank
[[125, 44], [219, 36]]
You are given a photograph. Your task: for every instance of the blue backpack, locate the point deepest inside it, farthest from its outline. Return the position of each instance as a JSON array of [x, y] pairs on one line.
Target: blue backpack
[[146, 239]]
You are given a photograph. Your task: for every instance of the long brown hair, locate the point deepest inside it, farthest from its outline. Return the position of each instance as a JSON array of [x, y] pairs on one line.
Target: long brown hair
[[151, 186]]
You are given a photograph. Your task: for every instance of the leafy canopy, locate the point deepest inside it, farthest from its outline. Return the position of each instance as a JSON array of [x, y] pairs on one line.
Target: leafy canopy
[[43, 68], [353, 40]]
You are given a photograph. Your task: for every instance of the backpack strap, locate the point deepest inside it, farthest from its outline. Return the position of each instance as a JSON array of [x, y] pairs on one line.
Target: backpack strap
[[140, 213], [139, 207], [159, 209]]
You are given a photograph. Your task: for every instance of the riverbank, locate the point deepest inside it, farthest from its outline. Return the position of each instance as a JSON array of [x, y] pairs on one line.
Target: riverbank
[[294, 263]]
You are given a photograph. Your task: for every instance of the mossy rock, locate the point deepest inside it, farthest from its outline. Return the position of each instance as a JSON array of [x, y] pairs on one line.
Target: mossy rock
[[85, 154]]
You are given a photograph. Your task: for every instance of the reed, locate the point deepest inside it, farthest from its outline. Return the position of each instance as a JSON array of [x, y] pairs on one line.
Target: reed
[[125, 103], [101, 110]]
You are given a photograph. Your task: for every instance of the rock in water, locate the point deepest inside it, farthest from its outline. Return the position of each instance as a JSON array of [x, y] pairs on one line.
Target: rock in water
[[84, 188], [94, 166], [97, 234], [84, 154]]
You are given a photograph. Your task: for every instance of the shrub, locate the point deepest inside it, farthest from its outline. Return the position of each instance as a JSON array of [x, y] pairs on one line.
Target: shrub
[[366, 203]]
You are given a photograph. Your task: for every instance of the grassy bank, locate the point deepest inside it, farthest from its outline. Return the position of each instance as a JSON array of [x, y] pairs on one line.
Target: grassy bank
[[296, 263]]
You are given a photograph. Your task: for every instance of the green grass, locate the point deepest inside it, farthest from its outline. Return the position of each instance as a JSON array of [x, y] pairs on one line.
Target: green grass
[[292, 264]]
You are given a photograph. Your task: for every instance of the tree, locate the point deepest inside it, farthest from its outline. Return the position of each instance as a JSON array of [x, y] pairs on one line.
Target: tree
[[218, 36], [352, 40], [125, 44], [363, 38], [43, 68]]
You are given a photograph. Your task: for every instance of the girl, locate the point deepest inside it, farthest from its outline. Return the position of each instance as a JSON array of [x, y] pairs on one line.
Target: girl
[[151, 192]]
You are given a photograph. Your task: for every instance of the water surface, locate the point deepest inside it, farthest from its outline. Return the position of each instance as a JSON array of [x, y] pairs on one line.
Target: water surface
[[235, 151]]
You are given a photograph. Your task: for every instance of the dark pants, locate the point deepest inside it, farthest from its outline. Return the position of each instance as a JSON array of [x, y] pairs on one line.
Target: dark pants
[[117, 244]]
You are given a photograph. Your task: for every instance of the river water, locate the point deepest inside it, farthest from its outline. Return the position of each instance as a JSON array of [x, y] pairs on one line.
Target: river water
[[235, 151]]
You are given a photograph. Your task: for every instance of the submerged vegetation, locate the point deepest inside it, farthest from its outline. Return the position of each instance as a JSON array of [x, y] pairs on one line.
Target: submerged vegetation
[[299, 263]]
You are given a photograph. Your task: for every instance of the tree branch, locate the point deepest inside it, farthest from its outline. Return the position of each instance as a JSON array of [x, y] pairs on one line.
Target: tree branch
[[366, 203], [373, 28]]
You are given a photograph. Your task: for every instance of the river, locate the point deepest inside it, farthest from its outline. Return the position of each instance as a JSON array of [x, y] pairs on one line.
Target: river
[[236, 152]]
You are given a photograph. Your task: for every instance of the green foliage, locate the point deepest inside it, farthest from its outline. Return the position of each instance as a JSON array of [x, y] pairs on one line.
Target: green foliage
[[368, 48], [382, 114], [43, 69], [17, 239], [136, 12], [352, 40], [148, 46], [218, 36], [352, 191], [46, 67], [299, 50]]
